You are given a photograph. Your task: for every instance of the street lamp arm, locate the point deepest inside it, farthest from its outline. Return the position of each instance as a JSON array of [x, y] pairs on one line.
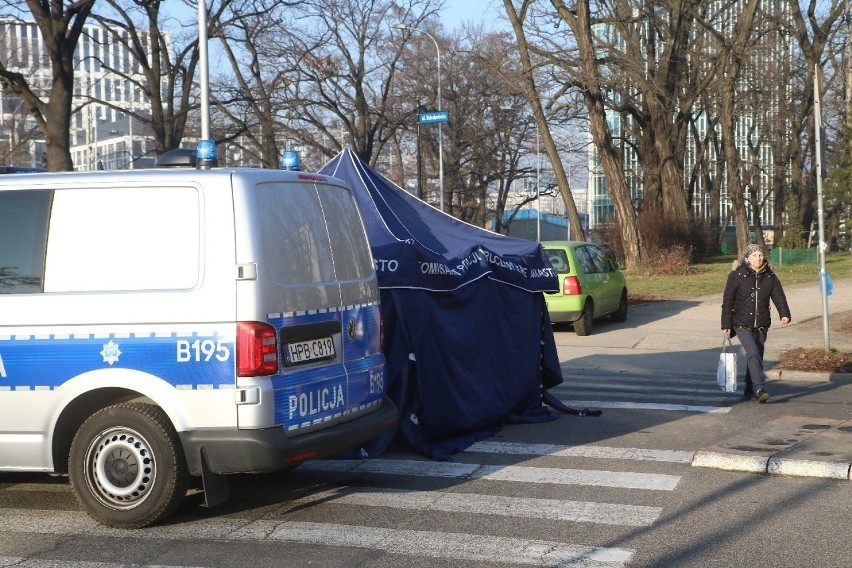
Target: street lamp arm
[[437, 49], [440, 107]]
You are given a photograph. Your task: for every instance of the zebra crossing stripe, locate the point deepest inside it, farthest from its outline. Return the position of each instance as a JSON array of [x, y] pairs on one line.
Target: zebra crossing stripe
[[36, 563], [665, 382], [627, 389], [428, 544], [647, 406], [602, 452], [530, 508], [558, 476]]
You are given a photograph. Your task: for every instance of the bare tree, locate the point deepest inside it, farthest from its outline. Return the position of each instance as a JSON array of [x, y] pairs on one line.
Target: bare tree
[[249, 99], [166, 55], [60, 25], [166, 70], [487, 139], [812, 31], [320, 73], [527, 72], [649, 55], [589, 77]]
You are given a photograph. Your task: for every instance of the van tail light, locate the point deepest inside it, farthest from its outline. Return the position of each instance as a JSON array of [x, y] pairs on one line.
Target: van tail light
[[381, 332], [571, 286], [257, 349]]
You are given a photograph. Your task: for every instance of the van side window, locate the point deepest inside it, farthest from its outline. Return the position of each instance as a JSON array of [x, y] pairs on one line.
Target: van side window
[[124, 239], [23, 236]]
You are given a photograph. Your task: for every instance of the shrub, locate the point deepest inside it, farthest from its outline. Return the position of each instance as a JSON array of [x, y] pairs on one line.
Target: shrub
[[793, 237], [669, 248], [667, 261]]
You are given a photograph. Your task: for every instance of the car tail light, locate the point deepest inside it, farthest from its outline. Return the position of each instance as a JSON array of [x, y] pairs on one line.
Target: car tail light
[[571, 286], [381, 331], [257, 349]]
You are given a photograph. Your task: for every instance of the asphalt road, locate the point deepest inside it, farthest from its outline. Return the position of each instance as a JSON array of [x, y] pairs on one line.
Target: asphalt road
[[618, 490]]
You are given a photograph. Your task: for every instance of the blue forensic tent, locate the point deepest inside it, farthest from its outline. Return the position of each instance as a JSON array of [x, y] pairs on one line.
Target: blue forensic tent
[[467, 338]]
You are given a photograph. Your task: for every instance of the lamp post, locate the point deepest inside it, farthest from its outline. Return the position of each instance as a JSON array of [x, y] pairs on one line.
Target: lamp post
[[537, 185], [440, 137]]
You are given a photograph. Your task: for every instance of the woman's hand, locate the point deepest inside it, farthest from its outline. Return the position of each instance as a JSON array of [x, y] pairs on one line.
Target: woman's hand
[[727, 331], [785, 320]]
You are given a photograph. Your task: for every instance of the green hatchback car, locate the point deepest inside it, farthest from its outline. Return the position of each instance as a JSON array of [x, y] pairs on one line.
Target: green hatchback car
[[591, 285]]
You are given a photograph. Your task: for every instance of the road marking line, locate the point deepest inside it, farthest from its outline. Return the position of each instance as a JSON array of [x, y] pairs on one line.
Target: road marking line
[[558, 476], [451, 502], [427, 544], [584, 451]]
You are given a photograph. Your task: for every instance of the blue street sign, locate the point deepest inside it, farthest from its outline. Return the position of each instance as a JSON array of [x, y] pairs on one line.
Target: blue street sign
[[433, 116]]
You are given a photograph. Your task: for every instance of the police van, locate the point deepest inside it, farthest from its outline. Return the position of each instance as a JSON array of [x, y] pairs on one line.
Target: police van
[[161, 324]]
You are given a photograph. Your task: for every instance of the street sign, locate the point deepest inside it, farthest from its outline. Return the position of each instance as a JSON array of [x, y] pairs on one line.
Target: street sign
[[433, 116]]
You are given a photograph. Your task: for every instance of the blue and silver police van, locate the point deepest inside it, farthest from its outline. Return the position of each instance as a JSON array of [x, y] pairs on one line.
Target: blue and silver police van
[[161, 324]]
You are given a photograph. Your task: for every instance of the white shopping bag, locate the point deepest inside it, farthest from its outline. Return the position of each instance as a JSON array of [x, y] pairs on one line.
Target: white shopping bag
[[726, 374]]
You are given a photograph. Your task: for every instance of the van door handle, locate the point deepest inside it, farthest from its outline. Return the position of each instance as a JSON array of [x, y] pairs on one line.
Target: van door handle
[[247, 271]]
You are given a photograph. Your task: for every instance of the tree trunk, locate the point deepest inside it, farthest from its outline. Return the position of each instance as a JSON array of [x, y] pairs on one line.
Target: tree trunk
[[57, 128], [534, 99], [613, 166]]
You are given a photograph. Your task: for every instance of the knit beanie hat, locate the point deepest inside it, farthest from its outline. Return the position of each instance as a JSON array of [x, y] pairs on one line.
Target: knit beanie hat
[[749, 250]]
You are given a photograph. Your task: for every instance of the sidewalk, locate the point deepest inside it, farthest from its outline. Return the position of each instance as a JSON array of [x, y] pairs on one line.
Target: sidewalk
[[810, 434]]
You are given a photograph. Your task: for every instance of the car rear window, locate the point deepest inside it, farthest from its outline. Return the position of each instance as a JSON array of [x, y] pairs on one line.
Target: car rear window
[[559, 260]]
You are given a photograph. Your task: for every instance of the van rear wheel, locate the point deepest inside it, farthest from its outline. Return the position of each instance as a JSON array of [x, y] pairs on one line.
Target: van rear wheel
[[127, 466]]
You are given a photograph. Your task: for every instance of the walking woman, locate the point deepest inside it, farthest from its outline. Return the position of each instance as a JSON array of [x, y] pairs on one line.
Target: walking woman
[[745, 313]]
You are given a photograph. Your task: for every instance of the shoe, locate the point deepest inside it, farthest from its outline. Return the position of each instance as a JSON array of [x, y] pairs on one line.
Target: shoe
[[761, 396], [748, 393]]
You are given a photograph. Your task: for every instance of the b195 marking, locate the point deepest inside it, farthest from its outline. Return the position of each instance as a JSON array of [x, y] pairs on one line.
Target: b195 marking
[[377, 382], [202, 350]]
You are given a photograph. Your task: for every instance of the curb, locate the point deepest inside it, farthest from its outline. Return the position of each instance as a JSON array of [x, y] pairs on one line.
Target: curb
[[797, 446], [791, 375], [805, 376], [772, 465]]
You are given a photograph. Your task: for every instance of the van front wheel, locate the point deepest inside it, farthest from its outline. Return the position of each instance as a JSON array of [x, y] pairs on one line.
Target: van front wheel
[[127, 466]]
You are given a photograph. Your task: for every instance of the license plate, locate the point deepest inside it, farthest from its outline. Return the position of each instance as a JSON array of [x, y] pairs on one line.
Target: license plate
[[318, 349]]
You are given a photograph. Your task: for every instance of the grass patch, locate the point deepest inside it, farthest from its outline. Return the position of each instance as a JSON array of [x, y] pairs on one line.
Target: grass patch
[[709, 277]]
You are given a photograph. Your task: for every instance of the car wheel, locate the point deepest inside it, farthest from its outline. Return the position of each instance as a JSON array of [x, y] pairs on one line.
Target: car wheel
[[620, 314], [583, 326], [127, 466]]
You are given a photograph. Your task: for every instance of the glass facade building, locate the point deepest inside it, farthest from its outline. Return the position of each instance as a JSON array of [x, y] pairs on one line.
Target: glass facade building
[[108, 91], [758, 119]]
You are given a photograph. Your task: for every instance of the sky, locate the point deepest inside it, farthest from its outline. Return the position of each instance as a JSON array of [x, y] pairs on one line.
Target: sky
[[454, 14], [458, 12]]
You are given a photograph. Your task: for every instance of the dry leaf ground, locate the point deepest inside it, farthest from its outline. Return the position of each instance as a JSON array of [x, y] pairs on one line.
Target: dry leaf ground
[[819, 360]]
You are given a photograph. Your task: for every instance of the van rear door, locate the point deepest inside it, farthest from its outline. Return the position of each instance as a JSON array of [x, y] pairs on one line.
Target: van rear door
[[316, 281]]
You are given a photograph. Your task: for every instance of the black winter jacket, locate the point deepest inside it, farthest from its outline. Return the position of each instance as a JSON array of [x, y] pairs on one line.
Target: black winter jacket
[[745, 301]]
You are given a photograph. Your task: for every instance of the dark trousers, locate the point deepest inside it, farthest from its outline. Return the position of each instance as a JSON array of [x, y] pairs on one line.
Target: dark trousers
[[753, 341]]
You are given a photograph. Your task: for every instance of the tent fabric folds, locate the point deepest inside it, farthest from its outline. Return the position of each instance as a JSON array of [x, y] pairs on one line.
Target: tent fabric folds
[[468, 341]]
